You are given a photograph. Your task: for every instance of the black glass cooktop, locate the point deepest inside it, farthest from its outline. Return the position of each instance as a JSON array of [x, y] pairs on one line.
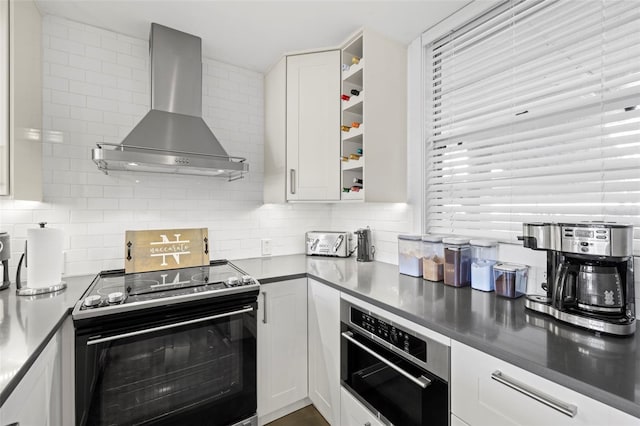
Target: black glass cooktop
[[111, 289]]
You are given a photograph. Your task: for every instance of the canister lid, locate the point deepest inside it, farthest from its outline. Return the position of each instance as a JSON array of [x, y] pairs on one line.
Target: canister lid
[[455, 240], [483, 243], [432, 238], [412, 237], [509, 267]]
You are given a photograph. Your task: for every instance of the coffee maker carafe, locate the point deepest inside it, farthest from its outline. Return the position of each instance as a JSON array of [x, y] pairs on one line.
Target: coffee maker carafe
[[589, 274]]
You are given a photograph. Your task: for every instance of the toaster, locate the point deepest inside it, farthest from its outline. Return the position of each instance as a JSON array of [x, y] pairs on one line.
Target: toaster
[[328, 243]]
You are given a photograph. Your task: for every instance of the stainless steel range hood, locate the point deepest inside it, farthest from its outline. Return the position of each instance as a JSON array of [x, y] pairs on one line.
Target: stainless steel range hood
[[172, 137]]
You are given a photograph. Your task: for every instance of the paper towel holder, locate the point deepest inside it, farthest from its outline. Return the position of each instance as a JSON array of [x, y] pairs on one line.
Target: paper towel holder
[[22, 289]]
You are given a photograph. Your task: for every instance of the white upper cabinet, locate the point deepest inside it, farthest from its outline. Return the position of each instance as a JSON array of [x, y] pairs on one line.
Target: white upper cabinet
[[302, 128], [21, 153], [313, 126]]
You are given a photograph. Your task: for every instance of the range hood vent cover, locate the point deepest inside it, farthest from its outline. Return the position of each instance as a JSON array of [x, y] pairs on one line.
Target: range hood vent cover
[[172, 137]]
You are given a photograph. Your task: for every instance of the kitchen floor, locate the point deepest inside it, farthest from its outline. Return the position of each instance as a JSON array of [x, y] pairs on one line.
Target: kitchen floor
[[308, 416]]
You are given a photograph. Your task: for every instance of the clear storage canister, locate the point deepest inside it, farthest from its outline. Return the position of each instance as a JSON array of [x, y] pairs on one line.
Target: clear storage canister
[[484, 254], [457, 262], [510, 279], [432, 258], [410, 254]]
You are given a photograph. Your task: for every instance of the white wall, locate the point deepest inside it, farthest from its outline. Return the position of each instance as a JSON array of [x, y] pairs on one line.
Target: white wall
[[96, 88]]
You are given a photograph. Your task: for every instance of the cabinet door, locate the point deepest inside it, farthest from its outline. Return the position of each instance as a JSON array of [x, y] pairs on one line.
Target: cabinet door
[[37, 398], [282, 345], [324, 350], [353, 413], [313, 126], [477, 399]]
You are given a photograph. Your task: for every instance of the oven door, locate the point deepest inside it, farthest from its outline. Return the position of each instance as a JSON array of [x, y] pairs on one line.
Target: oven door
[[190, 364], [399, 391]]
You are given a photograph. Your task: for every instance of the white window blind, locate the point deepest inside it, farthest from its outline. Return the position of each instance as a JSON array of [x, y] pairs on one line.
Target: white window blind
[[533, 114]]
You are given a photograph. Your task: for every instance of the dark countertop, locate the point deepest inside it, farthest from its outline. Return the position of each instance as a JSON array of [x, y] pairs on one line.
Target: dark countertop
[[27, 323], [604, 368], [601, 367]]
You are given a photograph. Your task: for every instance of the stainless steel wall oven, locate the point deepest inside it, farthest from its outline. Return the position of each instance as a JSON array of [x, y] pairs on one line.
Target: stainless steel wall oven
[[401, 376], [186, 358]]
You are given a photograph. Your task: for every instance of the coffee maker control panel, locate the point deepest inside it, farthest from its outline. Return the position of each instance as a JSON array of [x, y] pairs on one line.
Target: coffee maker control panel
[[583, 240]]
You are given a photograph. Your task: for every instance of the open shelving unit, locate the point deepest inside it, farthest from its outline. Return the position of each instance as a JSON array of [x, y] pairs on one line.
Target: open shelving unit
[[380, 107], [353, 111]]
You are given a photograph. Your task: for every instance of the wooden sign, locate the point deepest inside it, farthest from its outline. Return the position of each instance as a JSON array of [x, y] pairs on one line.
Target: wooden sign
[[161, 249]]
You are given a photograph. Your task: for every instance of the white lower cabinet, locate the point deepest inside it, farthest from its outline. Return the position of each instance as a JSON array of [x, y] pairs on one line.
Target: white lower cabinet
[[353, 413], [282, 348], [43, 398], [479, 399], [324, 350]]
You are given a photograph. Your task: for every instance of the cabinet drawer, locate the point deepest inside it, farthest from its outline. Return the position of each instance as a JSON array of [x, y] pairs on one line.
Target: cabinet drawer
[[353, 413], [484, 392]]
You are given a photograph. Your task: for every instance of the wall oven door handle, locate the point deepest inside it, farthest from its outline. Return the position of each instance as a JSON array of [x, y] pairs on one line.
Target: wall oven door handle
[[421, 381], [166, 327], [567, 409]]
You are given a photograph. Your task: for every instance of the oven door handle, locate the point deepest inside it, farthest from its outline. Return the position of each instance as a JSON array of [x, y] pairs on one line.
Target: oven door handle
[[166, 327], [421, 381]]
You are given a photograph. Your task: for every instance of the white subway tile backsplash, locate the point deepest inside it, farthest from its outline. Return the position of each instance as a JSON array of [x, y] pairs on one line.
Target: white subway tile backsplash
[[102, 103], [84, 63], [66, 45], [116, 44], [88, 38], [83, 88], [132, 61]]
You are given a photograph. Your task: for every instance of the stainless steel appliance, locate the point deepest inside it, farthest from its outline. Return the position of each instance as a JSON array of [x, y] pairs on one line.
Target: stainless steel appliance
[[328, 243], [366, 250], [5, 255], [167, 347], [172, 137], [590, 280], [398, 374]]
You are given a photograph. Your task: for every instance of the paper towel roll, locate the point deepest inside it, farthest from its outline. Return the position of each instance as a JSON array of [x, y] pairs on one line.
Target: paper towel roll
[[44, 257]]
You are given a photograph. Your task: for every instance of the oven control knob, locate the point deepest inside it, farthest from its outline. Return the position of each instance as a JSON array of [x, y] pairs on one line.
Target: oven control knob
[[246, 279], [232, 281], [394, 336], [92, 301], [115, 297]]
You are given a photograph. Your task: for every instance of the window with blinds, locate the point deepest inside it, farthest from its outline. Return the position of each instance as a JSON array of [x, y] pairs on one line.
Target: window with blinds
[[533, 114]]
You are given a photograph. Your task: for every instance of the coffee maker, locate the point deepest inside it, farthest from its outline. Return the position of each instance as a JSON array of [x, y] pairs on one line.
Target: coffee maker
[[589, 274]]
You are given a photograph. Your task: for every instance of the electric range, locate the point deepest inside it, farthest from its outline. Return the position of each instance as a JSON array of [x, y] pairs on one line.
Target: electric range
[[167, 347]]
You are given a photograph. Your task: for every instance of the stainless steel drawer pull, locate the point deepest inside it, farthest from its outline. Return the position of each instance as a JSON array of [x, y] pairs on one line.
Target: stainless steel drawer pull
[[421, 381], [567, 409], [166, 327]]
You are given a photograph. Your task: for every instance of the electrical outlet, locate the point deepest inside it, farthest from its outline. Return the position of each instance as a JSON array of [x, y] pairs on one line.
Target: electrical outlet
[[266, 247]]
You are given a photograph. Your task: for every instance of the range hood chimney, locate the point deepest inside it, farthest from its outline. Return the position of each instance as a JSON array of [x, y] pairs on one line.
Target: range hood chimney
[[172, 137]]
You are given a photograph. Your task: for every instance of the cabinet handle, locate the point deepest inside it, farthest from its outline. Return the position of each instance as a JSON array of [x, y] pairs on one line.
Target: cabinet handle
[[367, 424], [566, 409], [264, 307], [421, 381], [292, 176]]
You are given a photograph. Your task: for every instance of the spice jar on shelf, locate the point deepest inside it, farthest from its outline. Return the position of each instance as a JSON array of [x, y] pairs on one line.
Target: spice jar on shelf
[[484, 254], [432, 258], [457, 262], [410, 254]]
